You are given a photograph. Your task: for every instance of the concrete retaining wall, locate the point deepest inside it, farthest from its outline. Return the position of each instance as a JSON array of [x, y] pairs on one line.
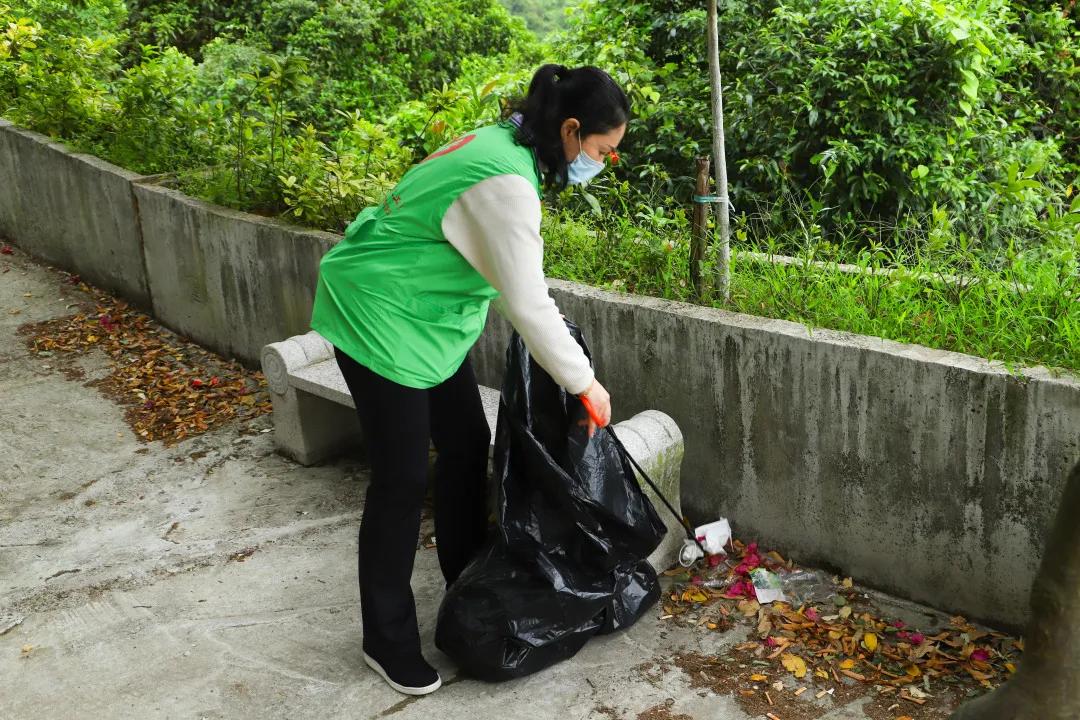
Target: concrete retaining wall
[[929, 474], [232, 281], [74, 211]]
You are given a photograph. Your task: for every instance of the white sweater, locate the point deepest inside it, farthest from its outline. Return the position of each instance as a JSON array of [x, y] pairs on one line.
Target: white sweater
[[495, 225]]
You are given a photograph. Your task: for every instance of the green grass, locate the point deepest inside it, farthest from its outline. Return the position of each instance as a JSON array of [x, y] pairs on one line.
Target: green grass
[[1026, 312]]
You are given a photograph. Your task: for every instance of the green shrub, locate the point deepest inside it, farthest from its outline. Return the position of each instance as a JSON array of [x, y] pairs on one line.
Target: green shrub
[[58, 84], [869, 109]]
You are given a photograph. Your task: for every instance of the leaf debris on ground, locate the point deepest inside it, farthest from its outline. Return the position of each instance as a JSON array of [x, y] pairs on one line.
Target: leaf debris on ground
[[837, 645], [170, 387]]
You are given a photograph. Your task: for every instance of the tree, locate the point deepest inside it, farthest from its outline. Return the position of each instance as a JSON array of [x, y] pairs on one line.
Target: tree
[[1047, 684]]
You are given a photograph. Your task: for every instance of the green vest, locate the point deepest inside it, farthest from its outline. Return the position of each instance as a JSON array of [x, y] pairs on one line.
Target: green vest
[[394, 294]]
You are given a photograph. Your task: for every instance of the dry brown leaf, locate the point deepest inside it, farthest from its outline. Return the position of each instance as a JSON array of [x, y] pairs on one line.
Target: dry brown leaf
[[794, 664], [749, 608]]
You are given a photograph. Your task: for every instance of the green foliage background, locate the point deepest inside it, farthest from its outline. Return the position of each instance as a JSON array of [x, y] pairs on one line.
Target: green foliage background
[[934, 136], [541, 16]]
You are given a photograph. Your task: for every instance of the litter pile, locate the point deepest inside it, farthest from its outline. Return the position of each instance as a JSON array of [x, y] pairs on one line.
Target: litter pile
[[823, 635], [171, 388]]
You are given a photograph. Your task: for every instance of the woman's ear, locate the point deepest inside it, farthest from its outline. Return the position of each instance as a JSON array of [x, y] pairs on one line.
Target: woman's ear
[[569, 128]]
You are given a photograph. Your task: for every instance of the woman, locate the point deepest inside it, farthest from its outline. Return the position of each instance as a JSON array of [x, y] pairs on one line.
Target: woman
[[405, 296]]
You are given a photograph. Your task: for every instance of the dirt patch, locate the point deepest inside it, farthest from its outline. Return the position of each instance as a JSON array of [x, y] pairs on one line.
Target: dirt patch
[[757, 689], [663, 712], [888, 706]]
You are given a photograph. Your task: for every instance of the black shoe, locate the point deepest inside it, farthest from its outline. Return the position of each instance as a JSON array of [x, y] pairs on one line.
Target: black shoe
[[409, 676]]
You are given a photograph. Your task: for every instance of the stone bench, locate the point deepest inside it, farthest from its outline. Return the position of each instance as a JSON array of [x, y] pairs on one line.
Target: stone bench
[[315, 419]]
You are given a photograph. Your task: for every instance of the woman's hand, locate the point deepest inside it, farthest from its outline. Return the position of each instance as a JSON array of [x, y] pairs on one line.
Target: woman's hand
[[601, 403]]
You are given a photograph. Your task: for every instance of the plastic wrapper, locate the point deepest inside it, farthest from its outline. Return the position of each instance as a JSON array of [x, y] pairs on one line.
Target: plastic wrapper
[[767, 586], [566, 559], [807, 587]]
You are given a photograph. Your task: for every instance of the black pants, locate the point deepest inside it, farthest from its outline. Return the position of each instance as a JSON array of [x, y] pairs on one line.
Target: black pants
[[398, 422]]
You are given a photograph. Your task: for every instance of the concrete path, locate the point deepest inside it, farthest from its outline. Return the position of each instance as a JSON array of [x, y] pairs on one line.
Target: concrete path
[[121, 558]]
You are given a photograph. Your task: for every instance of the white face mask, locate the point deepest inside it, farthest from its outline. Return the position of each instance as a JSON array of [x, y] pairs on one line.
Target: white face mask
[[584, 168]]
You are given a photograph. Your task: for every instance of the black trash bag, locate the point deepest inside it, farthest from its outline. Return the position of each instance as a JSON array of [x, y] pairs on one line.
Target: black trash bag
[[567, 558]]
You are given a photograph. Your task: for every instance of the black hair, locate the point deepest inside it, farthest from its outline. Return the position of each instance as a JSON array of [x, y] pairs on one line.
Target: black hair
[[557, 93]]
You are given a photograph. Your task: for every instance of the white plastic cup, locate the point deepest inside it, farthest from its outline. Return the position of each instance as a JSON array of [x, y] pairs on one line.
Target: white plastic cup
[[714, 536]]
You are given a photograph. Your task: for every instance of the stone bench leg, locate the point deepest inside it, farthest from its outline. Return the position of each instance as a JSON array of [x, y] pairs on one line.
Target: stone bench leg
[[655, 441], [307, 428]]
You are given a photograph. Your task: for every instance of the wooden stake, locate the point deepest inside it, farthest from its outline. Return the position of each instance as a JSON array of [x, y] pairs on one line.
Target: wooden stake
[[698, 239]]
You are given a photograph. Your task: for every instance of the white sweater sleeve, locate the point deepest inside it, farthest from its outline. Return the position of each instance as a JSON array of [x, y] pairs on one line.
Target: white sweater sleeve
[[495, 225]]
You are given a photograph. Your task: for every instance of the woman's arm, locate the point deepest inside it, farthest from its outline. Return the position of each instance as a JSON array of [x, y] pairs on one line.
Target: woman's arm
[[495, 225]]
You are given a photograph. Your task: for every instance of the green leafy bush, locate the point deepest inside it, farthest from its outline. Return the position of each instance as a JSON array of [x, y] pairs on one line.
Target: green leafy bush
[[363, 55], [868, 109]]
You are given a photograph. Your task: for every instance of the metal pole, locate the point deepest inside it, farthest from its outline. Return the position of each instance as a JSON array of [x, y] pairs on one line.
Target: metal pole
[[723, 255]]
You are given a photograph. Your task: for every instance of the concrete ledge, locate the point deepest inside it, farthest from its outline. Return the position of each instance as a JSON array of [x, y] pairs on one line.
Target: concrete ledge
[[656, 443], [311, 399], [308, 428], [71, 210]]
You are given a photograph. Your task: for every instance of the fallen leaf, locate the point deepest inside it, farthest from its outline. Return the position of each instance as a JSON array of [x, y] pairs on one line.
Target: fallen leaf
[[845, 612], [794, 664], [870, 641], [847, 664], [694, 594], [757, 677], [847, 583], [749, 607]]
